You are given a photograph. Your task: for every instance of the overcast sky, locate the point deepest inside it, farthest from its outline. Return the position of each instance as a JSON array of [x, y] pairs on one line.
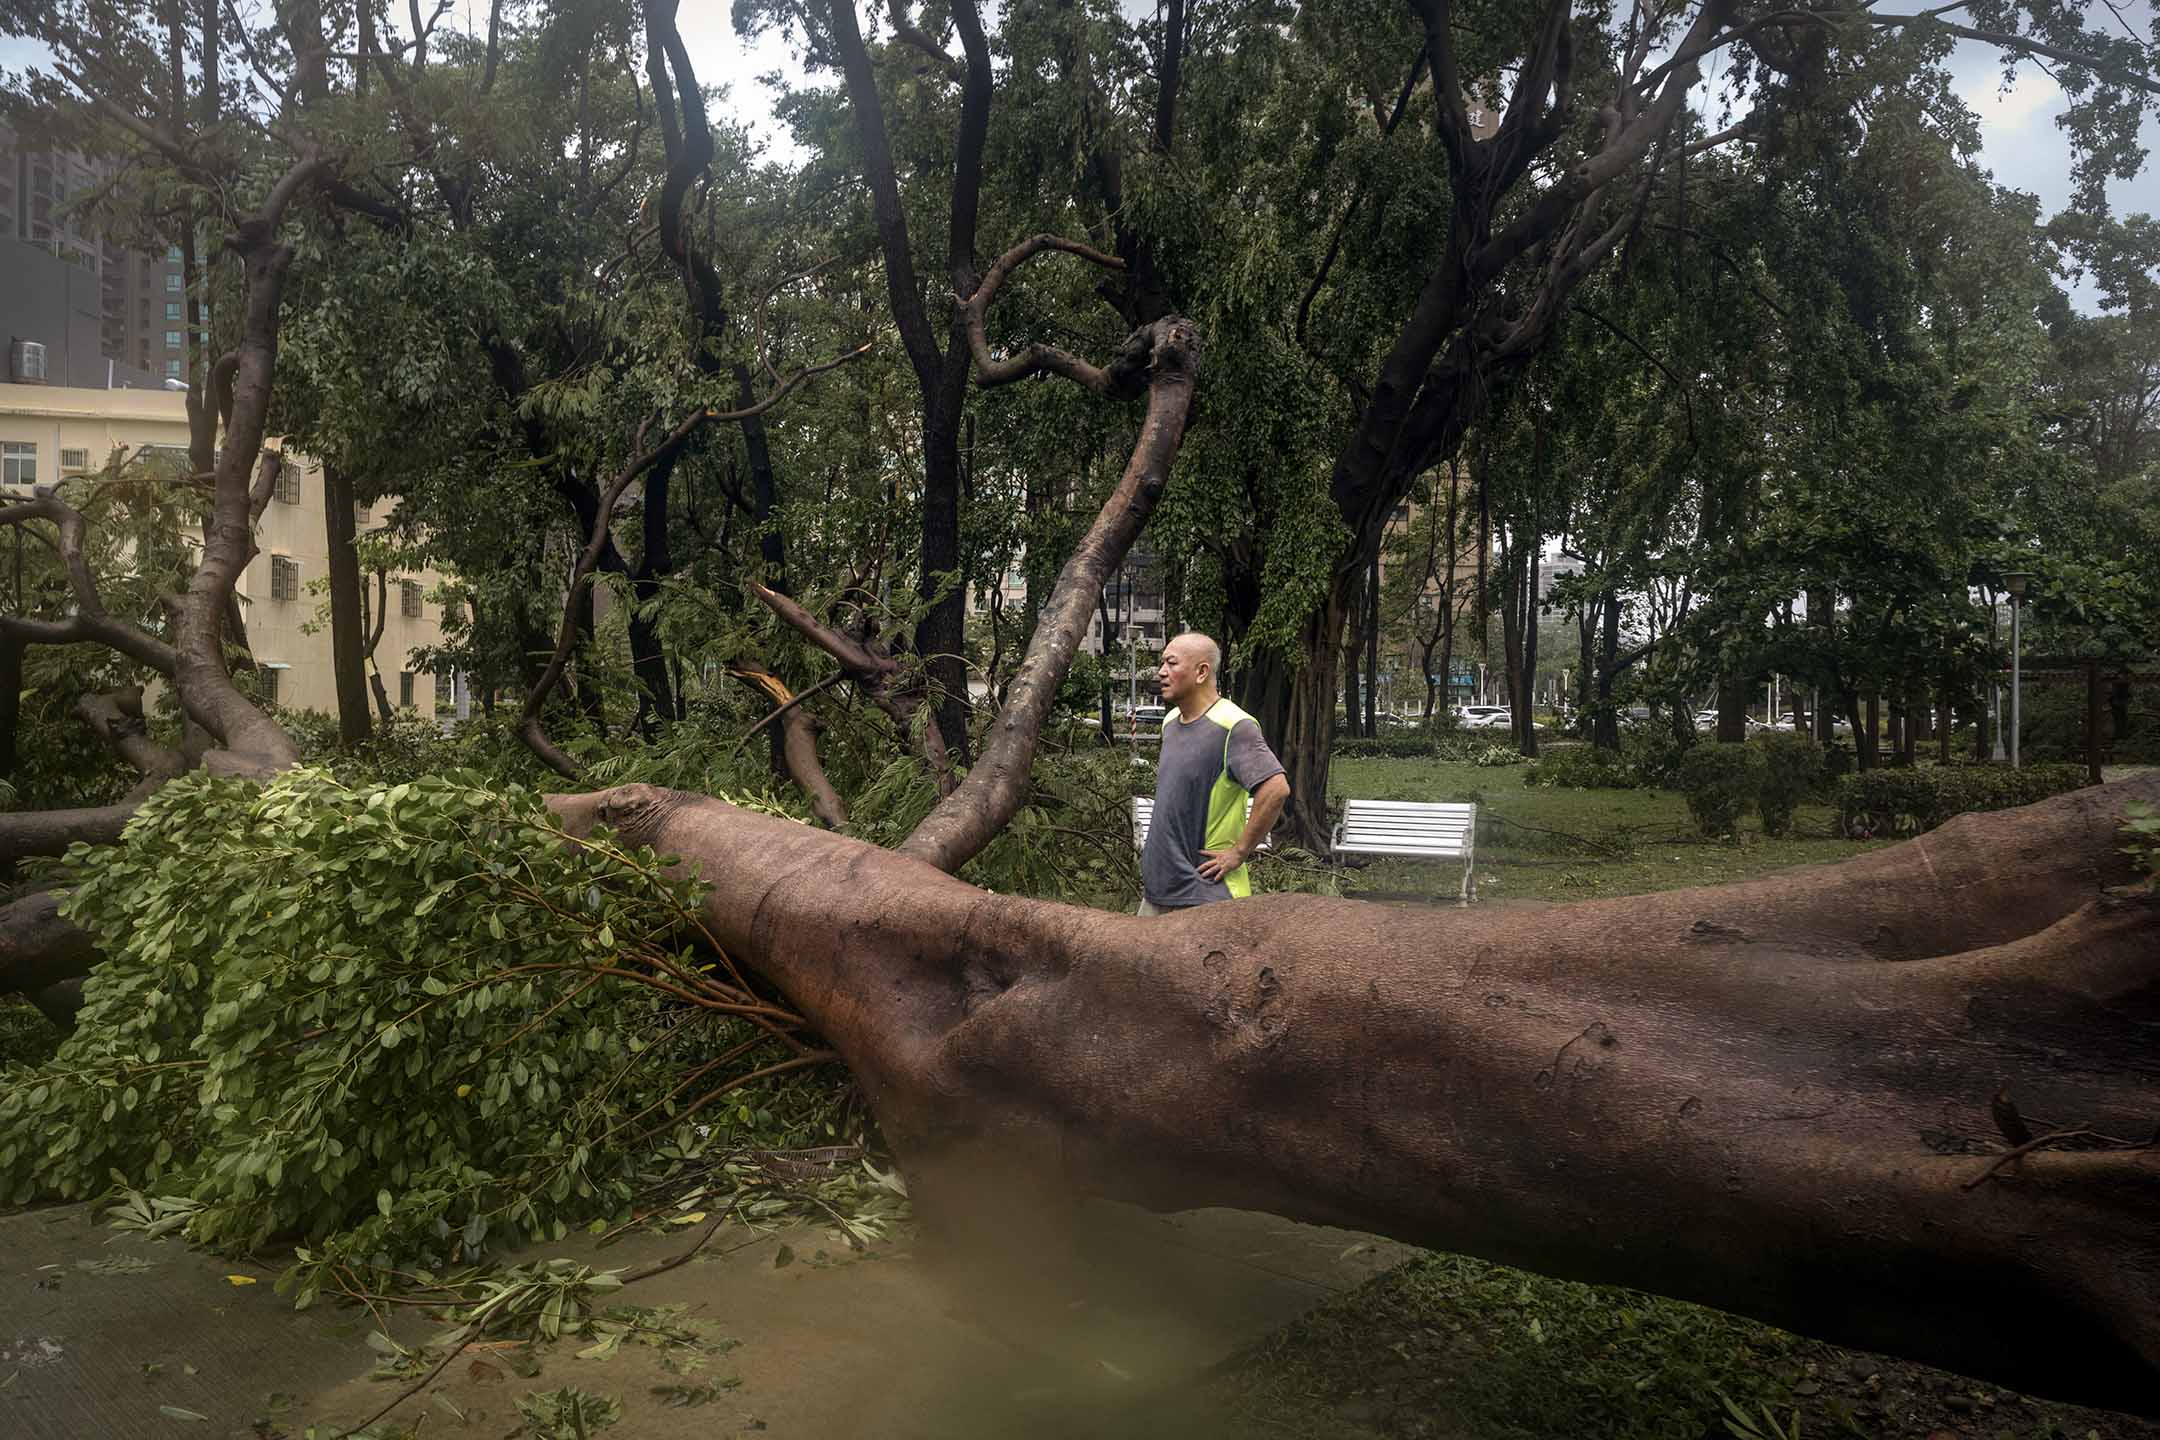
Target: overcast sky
[[2021, 143]]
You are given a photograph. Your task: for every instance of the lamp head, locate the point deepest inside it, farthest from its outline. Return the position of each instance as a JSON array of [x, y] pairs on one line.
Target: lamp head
[[2017, 580]]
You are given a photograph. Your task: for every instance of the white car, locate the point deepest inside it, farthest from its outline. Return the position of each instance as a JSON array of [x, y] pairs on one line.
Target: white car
[[1706, 720], [1485, 717], [1149, 716]]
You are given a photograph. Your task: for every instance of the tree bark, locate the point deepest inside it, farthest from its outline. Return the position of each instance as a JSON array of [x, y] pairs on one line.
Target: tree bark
[[348, 622], [1797, 1064]]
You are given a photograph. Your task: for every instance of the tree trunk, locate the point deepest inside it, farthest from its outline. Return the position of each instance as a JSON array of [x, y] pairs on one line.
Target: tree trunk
[[11, 665], [1732, 702], [1802, 1061], [1295, 709], [348, 621], [1349, 650], [1514, 574], [1605, 727], [1370, 624], [1447, 599], [1526, 703], [764, 490]]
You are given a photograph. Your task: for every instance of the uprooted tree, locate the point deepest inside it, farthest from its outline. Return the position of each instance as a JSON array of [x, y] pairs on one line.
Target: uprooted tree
[[1908, 1101]]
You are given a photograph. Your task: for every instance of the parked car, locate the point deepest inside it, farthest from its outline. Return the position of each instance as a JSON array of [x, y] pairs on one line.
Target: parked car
[[1486, 717], [1706, 720], [1146, 716]]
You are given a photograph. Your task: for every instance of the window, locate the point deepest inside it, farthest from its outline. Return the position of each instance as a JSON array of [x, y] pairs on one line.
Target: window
[[288, 483], [409, 603], [172, 254], [74, 460], [172, 369], [172, 309], [172, 282], [18, 462], [360, 513], [284, 578], [405, 688], [453, 610], [270, 682], [172, 339], [445, 692]]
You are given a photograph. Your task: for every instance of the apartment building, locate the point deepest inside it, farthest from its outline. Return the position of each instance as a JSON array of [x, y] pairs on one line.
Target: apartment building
[[50, 433], [98, 314]]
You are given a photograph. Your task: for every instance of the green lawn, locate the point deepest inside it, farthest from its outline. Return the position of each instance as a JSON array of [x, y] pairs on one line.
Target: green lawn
[[1541, 843]]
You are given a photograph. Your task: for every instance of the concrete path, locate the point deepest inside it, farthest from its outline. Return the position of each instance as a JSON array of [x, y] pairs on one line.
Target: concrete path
[[1094, 1327]]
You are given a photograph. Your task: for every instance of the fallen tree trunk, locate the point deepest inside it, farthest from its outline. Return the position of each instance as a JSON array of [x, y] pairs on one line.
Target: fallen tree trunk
[[1791, 1098]]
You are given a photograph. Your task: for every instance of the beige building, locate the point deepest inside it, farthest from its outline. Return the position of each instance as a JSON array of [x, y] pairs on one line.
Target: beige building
[[50, 433]]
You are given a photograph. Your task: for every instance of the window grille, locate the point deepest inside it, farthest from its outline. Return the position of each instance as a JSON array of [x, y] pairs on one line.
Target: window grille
[[405, 689], [288, 483], [74, 460], [270, 678], [284, 578], [409, 599]]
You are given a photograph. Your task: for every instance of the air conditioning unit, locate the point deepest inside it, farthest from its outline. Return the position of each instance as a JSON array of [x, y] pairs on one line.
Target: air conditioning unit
[[26, 362]]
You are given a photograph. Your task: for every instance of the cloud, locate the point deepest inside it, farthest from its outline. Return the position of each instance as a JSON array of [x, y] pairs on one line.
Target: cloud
[[2001, 109]]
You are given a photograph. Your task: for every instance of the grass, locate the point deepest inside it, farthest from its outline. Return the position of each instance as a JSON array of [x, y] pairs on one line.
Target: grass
[[1457, 1349], [1543, 843]]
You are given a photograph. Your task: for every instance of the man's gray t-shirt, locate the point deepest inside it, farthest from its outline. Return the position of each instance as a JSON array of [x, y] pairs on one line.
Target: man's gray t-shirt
[[1224, 741]]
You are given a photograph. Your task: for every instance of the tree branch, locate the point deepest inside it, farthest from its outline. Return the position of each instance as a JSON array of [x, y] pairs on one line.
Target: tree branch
[[1037, 357]]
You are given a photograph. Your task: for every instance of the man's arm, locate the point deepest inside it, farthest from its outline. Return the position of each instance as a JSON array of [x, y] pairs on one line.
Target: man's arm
[[1267, 808]]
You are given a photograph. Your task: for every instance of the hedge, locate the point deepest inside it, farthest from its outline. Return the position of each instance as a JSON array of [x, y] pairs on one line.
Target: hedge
[[1908, 802]]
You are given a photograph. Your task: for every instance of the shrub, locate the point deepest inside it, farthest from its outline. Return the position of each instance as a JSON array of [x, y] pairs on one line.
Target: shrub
[[1413, 746], [1908, 802], [1654, 753], [1792, 771], [1457, 747], [1721, 781], [1580, 767]]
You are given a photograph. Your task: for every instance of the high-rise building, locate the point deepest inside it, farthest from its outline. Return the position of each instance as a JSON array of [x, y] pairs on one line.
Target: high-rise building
[[98, 314]]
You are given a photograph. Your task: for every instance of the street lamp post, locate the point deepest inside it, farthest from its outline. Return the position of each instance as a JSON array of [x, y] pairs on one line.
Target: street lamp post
[[2016, 580]]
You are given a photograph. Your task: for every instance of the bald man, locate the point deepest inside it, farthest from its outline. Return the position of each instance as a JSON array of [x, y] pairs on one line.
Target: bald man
[[1213, 759]]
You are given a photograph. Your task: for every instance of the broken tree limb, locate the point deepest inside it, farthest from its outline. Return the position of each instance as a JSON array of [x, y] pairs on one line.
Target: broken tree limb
[[1763, 1096], [874, 673], [38, 947], [794, 744]]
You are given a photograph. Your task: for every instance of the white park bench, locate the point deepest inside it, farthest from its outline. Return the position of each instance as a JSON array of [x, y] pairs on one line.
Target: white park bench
[[1415, 828], [1143, 810]]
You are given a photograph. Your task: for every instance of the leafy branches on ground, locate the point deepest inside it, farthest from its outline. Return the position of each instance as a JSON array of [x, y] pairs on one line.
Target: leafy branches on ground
[[410, 1025]]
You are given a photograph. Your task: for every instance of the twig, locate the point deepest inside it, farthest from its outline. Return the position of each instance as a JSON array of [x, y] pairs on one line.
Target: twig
[[422, 1384], [663, 1266], [2039, 1142], [791, 703]]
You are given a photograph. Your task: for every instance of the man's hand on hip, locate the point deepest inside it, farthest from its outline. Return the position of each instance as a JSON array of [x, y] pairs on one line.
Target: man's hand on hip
[[1218, 863]]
